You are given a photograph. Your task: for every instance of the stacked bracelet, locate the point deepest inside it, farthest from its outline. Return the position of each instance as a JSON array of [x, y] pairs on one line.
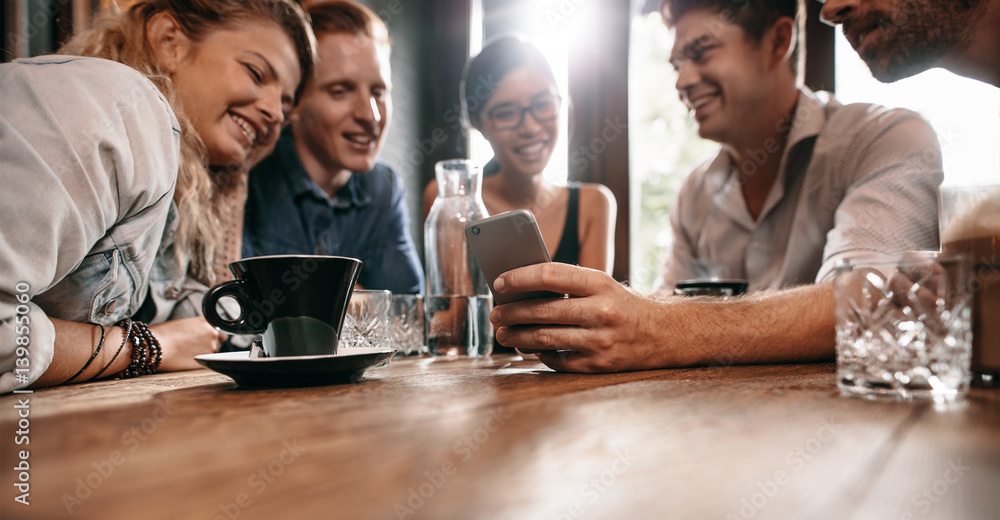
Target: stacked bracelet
[[146, 352], [126, 330], [93, 356]]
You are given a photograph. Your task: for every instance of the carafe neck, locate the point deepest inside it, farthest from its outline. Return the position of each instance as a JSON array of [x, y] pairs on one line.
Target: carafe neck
[[459, 180]]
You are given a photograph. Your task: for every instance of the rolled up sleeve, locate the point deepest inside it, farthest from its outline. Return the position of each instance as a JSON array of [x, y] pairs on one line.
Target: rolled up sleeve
[[88, 174], [893, 204]]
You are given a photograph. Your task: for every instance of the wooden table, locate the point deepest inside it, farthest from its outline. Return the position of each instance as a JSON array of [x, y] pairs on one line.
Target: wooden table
[[502, 438]]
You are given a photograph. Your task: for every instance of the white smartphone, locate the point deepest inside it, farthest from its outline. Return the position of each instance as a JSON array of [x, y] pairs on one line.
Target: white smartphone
[[504, 242]]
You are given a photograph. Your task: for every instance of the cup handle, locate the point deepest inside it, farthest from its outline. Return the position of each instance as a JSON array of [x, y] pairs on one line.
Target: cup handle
[[236, 290]]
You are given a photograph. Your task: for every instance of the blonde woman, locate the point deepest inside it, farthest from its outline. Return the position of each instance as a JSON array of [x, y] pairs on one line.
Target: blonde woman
[[205, 87]]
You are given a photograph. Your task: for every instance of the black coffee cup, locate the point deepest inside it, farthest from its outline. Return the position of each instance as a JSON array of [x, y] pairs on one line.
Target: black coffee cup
[[722, 288], [296, 302]]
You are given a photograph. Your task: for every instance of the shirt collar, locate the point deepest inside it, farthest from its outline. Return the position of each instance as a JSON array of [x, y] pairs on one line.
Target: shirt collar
[[808, 120], [352, 194]]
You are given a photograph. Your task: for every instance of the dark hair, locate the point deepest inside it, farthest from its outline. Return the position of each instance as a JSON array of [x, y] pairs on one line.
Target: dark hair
[[753, 16], [345, 16], [484, 72]]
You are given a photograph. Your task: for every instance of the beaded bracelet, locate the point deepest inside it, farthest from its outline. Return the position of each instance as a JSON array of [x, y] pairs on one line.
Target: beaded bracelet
[[146, 352], [93, 356]]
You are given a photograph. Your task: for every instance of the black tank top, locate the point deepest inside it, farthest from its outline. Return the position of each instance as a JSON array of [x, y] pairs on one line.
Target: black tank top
[[569, 245], [568, 251]]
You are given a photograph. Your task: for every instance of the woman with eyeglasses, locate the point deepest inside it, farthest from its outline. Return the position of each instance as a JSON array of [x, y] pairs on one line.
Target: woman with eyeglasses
[[510, 95]]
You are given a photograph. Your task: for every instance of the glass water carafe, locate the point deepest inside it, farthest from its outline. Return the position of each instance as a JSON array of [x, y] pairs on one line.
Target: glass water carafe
[[458, 302]]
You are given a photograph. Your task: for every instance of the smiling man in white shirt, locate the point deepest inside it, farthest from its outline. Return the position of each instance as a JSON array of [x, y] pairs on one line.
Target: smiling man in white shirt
[[799, 182]]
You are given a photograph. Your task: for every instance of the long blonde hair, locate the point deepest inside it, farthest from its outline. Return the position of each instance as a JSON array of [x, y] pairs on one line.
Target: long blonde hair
[[121, 36]]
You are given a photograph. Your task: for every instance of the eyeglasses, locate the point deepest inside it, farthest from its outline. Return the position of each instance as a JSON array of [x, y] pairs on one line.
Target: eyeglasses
[[510, 116]]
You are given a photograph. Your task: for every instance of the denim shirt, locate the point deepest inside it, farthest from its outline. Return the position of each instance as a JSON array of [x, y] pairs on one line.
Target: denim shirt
[[88, 161], [367, 219]]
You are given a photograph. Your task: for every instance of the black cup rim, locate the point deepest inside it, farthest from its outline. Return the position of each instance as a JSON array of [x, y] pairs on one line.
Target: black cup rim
[[729, 283], [735, 286], [266, 257]]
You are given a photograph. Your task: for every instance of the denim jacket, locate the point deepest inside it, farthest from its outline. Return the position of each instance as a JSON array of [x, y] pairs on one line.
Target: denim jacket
[[175, 293], [89, 153]]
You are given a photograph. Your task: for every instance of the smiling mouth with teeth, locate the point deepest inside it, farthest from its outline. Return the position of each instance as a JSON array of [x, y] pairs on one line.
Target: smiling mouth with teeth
[[531, 148], [248, 130], [360, 139], [695, 104]]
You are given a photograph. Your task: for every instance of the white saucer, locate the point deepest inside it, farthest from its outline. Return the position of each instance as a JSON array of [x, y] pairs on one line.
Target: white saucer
[[346, 367]]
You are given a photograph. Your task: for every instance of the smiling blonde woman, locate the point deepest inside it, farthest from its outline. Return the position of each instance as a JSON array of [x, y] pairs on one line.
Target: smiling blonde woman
[[200, 88]]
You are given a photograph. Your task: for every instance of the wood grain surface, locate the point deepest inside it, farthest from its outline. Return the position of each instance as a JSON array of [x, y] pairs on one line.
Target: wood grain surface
[[502, 438]]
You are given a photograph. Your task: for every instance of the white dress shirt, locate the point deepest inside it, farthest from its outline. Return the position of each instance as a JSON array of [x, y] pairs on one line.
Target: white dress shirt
[[853, 180]]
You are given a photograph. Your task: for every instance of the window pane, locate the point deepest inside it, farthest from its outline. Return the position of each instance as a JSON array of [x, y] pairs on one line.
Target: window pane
[[663, 146], [964, 112], [529, 18]]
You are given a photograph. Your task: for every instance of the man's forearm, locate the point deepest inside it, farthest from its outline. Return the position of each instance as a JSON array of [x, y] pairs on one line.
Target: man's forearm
[[792, 325]]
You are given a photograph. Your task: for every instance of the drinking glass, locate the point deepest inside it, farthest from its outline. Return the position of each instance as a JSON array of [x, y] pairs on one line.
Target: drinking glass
[[406, 324], [367, 322], [904, 325]]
